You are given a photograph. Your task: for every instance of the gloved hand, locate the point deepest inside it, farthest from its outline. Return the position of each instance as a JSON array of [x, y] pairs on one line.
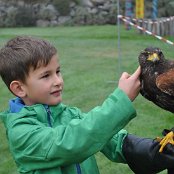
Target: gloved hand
[[143, 156]]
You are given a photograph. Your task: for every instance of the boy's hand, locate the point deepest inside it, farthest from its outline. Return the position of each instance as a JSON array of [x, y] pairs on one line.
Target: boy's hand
[[130, 84]]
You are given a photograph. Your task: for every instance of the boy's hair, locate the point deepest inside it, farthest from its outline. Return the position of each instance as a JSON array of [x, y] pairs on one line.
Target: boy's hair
[[22, 53]]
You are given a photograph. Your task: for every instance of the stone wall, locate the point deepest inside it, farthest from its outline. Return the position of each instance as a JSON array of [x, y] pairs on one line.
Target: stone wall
[[94, 12], [99, 12], [88, 12]]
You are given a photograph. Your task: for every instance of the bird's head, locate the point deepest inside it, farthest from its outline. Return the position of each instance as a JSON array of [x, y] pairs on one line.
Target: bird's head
[[151, 55]]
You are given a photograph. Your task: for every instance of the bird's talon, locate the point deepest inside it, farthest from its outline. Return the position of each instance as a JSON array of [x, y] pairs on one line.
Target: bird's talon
[[167, 139]]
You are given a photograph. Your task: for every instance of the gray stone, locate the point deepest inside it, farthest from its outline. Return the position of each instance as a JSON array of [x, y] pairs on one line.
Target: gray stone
[[86, 3], [63, 20], [42, 23]]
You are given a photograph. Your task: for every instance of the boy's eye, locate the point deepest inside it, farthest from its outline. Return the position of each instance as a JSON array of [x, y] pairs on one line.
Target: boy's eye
[[58, 72], [45, 76]]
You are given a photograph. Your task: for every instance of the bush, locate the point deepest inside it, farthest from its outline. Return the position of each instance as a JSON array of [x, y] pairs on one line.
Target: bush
[[47, 13], [81, 15], [9, 20], [63, 6], [25, 17]]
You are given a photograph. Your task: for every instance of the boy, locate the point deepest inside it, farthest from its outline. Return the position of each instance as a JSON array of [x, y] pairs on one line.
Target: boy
[[44, 135]]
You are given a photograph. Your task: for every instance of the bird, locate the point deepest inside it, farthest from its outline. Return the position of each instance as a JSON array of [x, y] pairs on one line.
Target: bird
[[157, 83], [157, 78]]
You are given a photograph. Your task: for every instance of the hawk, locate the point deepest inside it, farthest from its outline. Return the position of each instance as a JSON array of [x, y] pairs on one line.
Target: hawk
[[157, 82], [157, 78]]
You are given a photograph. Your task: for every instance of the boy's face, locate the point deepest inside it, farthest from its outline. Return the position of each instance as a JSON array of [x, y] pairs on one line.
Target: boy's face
[[44, 85]]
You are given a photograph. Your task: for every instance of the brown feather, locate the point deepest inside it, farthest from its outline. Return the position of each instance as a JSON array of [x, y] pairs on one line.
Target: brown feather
[[157, 78], [165, 82]]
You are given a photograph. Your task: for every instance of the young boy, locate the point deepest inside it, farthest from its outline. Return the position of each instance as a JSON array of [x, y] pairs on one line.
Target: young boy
[[46, 136]]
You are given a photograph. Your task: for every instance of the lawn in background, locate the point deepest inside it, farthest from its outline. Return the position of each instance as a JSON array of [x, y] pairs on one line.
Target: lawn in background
[[91, 68]]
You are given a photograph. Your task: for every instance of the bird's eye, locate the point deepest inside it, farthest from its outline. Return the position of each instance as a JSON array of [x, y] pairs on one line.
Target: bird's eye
[[146, 53], [160, 52]]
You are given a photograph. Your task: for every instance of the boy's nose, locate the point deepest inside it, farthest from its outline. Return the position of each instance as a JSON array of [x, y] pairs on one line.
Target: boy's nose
[[58, 80]]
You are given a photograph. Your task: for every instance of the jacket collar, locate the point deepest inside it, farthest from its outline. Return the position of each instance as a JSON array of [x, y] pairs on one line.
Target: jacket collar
[[16, 105]]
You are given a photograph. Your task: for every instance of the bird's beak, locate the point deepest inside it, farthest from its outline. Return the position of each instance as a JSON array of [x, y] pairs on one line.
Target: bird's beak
[[153, 57]]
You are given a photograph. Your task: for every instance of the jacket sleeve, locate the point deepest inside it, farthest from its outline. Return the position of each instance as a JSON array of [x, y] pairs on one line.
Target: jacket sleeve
[[34, 143], [113, 149]]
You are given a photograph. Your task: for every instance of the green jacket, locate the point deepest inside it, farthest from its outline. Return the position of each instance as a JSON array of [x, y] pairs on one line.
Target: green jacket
[[63, 140]]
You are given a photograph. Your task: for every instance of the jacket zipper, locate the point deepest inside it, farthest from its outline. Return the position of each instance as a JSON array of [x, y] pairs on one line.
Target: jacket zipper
[[48, 115], [49, 123], [78, 169]]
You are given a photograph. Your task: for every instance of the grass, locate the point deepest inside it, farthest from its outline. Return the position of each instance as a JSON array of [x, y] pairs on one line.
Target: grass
[[91, 68]]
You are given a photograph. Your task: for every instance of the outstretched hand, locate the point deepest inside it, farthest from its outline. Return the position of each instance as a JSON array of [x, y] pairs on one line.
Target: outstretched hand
[[130, 84]]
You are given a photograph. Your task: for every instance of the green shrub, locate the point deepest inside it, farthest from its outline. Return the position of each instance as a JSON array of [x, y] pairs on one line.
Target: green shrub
[[77, 1], [63, 6], [47, 13], [25, 17], [9, 20]]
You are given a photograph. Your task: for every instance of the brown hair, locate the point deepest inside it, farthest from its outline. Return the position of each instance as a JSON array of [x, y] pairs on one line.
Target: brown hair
[[22, 53]]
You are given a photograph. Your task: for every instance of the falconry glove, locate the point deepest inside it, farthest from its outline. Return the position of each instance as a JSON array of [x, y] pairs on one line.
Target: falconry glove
[[143, 156]]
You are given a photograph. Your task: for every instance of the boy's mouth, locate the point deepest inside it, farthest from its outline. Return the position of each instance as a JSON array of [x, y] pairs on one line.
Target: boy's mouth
[[56, 93]]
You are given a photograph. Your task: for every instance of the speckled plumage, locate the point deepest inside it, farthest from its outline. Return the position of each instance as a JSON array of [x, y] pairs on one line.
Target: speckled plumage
[[157, 78]]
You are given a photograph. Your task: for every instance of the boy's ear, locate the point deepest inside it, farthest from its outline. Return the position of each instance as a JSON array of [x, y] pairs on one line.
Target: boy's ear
[[17, 88]]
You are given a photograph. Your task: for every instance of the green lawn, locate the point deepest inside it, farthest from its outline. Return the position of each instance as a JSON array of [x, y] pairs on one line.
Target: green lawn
[[91, 68]]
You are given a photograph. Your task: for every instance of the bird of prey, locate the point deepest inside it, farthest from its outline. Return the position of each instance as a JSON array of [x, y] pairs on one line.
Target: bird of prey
[[157, 78], [157, 82]]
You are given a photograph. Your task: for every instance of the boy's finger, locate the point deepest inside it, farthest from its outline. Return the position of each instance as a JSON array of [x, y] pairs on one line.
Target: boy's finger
[[136, 74], [125, 75]]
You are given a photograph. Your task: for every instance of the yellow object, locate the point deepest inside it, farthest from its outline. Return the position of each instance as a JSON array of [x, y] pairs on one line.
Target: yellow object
[[140, 9], [167, 139]]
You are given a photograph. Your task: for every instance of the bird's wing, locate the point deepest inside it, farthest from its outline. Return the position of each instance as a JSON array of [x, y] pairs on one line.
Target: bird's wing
[[165, 82]]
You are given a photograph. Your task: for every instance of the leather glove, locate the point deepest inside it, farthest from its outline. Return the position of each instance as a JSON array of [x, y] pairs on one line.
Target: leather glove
[[143, 156]]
